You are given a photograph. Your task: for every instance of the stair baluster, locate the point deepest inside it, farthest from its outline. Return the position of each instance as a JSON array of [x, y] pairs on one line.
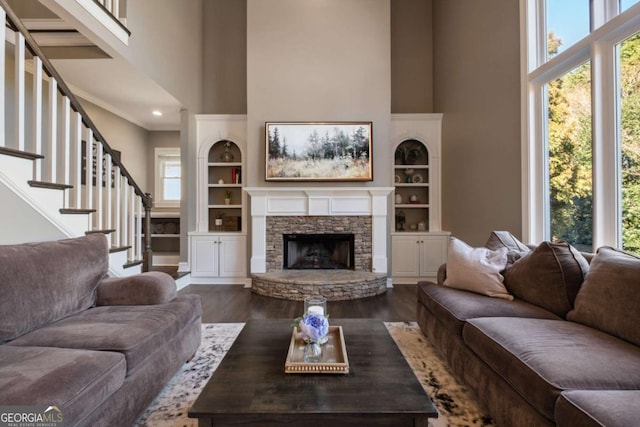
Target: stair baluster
[[108, 196], [66, 146], [19, 98], [77, 160], [36, 122], [117, 206], [97, 218], [52, 152]]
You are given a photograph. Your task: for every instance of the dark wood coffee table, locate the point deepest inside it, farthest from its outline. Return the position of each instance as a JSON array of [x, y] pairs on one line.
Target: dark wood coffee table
[[250, 387]]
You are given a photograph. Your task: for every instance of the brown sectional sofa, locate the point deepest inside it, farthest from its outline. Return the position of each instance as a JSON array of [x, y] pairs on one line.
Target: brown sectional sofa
[[98, 348], [534, 367]]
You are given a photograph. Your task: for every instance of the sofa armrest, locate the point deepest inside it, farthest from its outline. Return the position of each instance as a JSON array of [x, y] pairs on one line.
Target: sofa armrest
[[442, 274], [140, 289]]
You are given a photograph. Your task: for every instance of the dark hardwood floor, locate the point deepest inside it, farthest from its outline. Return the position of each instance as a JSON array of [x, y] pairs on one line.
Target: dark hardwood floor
[[234, 303]]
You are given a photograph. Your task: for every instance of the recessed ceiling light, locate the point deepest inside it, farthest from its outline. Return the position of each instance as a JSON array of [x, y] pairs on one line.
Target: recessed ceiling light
[[157, 113]]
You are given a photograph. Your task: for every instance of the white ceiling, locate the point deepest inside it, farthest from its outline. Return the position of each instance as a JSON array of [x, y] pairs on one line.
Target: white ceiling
[[116, 86]]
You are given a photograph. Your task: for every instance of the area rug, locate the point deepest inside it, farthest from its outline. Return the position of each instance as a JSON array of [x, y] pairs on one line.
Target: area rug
[[456, 404]]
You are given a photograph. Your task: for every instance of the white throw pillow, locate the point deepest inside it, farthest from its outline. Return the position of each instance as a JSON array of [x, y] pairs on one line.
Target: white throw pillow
[[476, 269]]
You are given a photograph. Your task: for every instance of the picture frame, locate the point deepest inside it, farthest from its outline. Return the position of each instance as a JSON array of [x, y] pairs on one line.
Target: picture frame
[[318, 151]]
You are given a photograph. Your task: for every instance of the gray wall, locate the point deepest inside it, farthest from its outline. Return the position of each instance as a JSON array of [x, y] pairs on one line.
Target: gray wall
[[128, 138], [318, 61], [225, 57], [477, 87], [412, 56], [455, 57], [166, 44]]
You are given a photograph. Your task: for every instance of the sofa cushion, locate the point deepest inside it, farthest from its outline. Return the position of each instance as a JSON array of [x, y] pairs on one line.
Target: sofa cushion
[[454, 307], [135, 331], [76, 381], [44, 282], [610, 295], [549, 276], [476, 269], [540, 358], [598, 408]]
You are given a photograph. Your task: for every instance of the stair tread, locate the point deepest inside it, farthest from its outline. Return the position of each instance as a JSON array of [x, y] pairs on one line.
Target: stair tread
[[118, 249], [21, 154], [76, 211], [132, 264], [51, 185], [105, 231]]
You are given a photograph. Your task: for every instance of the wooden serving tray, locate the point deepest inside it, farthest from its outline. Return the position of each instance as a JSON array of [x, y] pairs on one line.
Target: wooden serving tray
[[333, 360]]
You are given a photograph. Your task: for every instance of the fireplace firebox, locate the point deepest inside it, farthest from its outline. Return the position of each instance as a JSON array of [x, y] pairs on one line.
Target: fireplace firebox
[[318, 251]]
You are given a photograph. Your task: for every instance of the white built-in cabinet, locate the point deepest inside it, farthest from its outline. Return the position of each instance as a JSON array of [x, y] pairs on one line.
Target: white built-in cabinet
[[218, 246], [417, 255], [418, 244], [218, 256]]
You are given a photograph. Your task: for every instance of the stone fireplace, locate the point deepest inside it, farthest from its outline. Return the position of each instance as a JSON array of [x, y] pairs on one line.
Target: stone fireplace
[[360, 210], [295, 215], [278, 227]]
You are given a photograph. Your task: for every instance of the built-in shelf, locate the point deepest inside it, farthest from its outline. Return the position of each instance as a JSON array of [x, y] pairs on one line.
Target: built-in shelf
[[418, 244], [225, 206], [165, 238], [218, 245], [225, 164]]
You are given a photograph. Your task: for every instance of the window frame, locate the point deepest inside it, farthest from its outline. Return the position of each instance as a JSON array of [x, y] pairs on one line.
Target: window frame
[[162, 154], [608, 28]]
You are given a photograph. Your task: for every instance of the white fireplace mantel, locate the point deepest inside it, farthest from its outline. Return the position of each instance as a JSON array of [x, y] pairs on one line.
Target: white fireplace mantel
[[321, 201]]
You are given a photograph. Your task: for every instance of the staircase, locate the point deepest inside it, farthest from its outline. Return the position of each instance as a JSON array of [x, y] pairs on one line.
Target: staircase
[[55, 160]]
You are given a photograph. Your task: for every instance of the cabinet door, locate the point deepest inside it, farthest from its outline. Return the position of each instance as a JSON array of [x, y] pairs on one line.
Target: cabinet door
[[433, 253], [233, 256], [204, 256], [405, 258]]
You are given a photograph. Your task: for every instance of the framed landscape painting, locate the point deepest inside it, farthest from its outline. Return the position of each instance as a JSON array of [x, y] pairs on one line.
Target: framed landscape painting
[[322, 151]]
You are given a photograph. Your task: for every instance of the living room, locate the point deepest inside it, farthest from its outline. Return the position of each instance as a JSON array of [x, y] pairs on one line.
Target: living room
[[242, 64]]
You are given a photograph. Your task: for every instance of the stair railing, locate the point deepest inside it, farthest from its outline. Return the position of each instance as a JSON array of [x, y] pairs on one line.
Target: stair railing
[[69, 151], [113, 9]]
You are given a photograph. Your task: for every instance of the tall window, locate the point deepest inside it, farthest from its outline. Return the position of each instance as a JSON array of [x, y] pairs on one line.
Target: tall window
[[567, 22], [581, 103], [626, 4], [168, 177], [569, 157], [629, 104]]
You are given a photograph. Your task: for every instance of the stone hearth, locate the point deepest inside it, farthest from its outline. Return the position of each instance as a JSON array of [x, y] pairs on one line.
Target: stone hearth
[[334, 285]]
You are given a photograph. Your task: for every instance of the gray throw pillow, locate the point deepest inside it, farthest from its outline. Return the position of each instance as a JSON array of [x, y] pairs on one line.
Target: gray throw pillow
[[609, 299], [550, 276], [504, 239]]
